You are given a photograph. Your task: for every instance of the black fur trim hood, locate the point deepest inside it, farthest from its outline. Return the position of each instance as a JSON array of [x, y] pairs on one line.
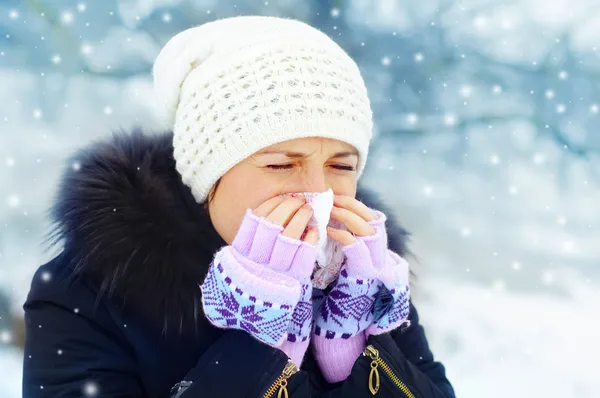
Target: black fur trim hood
[[127, 222]]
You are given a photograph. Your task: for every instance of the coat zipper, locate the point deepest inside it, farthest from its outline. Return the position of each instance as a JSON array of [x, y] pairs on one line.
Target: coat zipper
[[374, 380], [282, 381]]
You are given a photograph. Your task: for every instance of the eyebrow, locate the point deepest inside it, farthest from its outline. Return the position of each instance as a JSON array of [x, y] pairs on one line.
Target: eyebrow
[[298, 155]]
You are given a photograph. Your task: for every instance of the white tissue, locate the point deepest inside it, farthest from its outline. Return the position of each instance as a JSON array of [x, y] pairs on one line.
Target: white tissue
[[330, 255]]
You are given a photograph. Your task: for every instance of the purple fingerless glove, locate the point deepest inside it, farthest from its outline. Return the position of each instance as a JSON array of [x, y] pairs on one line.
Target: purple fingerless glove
[[371, 296], [261, 284]]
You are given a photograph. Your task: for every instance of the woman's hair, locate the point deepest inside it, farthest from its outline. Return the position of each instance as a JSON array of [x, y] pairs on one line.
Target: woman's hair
[[211, 193]]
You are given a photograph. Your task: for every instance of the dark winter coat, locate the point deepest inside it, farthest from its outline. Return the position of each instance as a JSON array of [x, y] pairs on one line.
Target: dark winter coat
[[117, 313]]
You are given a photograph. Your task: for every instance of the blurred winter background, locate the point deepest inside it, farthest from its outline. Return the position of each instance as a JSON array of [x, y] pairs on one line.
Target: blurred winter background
[[488, 149]]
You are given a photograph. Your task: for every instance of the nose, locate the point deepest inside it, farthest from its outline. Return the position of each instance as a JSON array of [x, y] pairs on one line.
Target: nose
[[314, 180]]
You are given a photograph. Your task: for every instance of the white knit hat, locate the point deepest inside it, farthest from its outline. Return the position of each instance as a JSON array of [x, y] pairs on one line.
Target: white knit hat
[[234, 86]]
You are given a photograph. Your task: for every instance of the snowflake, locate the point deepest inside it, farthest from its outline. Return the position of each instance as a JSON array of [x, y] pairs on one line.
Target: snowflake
[[561, 220], [412, 118], [561, 108], [547, 277], [539, 158], [466, 91], [497, 89], [87, 49], [13, 14], [335, 12], [386, 61], [5, 336], [166, 17], [495, 159], [449, 119], [108, 110], [499, 285], [67, 17], [90, 389], [81, 7], [465, 232], [37, 113], [46, 276], [56, 59], [563, 75], [427, 190], [76, 166], [10, 162], [513, 190], [507, 24], [549, 94], [594, 108], [480, 22], [568, 247], [516, 265], [13, 201], [419, 57], [59, 352]]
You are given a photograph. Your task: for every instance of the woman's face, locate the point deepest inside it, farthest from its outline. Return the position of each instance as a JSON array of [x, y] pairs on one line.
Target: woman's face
[[299, 165]]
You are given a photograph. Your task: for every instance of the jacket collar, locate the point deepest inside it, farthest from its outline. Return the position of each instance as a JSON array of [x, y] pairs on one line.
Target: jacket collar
[[127, 222]]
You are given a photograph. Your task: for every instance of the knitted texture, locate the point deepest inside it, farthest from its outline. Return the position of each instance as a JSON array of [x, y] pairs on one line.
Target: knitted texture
[[371, 296], [261, 284], [237, 85]]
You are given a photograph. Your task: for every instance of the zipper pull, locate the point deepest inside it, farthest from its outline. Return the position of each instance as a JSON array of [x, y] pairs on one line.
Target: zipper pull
[[289, 369], [374, 380]]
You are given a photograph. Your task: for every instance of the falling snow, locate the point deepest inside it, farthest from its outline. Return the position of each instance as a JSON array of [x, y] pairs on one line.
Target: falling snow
[[91, 389], [412, 118], [13, 201], [67, 18], [87, 49], [450, 119], [5, 336]]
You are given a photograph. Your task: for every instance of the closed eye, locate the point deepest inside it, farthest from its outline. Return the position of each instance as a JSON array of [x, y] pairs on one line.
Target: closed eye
[[280, 166], [343, 167]]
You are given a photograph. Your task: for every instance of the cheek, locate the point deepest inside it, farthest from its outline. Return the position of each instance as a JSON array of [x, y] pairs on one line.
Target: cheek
[[233, 197], [343, 185]]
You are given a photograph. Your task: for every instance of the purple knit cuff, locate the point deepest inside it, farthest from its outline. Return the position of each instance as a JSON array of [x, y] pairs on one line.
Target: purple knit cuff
[[337, 357]]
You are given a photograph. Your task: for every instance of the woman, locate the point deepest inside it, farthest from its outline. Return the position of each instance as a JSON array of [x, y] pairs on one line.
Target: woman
[[186, 264]]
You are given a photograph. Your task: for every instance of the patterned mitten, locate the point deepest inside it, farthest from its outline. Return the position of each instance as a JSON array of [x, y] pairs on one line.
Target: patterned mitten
[[261, 284], [371, 296]]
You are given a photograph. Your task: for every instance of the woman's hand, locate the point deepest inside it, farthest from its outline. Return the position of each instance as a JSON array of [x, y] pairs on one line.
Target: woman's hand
[[355, 215], [291, 213]]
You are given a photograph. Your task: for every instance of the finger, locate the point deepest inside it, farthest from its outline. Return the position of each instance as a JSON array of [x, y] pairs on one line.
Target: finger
[[245, 235], [341, 236], [355, 206], [283, 213], [295, 228], [312, 236], [267, 207], [353, 222]]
